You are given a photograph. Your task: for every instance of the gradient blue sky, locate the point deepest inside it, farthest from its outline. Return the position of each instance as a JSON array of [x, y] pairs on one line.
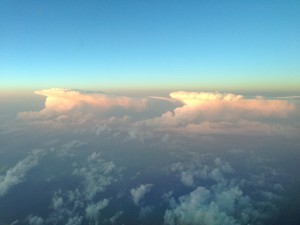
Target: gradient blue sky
[[167, 44]]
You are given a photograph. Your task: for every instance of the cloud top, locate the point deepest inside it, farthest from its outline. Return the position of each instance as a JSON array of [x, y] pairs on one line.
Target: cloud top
[[215, 102], [66, 99]]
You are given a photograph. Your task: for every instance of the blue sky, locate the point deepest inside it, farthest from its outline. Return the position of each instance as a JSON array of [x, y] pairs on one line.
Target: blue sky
[[199, 45]]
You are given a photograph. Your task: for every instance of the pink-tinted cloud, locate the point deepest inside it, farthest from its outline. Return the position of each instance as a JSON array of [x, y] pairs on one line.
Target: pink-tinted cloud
[[66, 99], [65, 102], [202, 106], [217, 113], [185, 113]]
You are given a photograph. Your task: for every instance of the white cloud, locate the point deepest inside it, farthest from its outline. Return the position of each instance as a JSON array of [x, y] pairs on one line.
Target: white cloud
[[66, 99], [139, 193], [65, 105], [215, 113], [96, 174], [227, 206], [35, 220], [193, 172], [212, 104], [184, 114], [115, 217], [187, 178], [92, 210], [73, 207], [76, 220], [57, 202], [16, 174]]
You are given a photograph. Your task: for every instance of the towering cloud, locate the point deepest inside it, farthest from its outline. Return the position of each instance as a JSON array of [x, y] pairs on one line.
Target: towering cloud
[[75, 103], [211, 113], [217, 106]]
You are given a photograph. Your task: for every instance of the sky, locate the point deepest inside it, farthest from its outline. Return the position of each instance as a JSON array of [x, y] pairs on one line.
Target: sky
[[235, 46]]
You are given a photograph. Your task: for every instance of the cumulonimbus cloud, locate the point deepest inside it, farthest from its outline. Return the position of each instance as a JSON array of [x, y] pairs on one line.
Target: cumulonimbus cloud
[[214, 112], [226, 106], [66, 99], [66, 103]]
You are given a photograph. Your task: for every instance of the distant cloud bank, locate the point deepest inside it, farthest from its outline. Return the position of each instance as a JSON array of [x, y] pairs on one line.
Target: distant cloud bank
[[186, 113]]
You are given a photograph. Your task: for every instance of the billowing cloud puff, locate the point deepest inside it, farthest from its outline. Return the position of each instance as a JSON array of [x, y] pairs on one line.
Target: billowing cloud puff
[[226, 205], [139, 193]]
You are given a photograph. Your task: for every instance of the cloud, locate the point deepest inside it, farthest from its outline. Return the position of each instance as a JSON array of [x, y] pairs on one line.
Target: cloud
[[217, 113], [204, 106], [187, 178], [67, 148], [97, 175], [35, 220], [193, 172], [220, 206], [115, 217], [184, 114], [139, 193], [76, 220], [74, 207], [145, 211], [16, 174], [93, 210], [57, 202], [224, 195], [66, 99], [67, 104]]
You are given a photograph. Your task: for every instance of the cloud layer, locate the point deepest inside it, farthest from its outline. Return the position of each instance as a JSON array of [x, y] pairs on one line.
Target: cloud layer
[[184, 113]]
